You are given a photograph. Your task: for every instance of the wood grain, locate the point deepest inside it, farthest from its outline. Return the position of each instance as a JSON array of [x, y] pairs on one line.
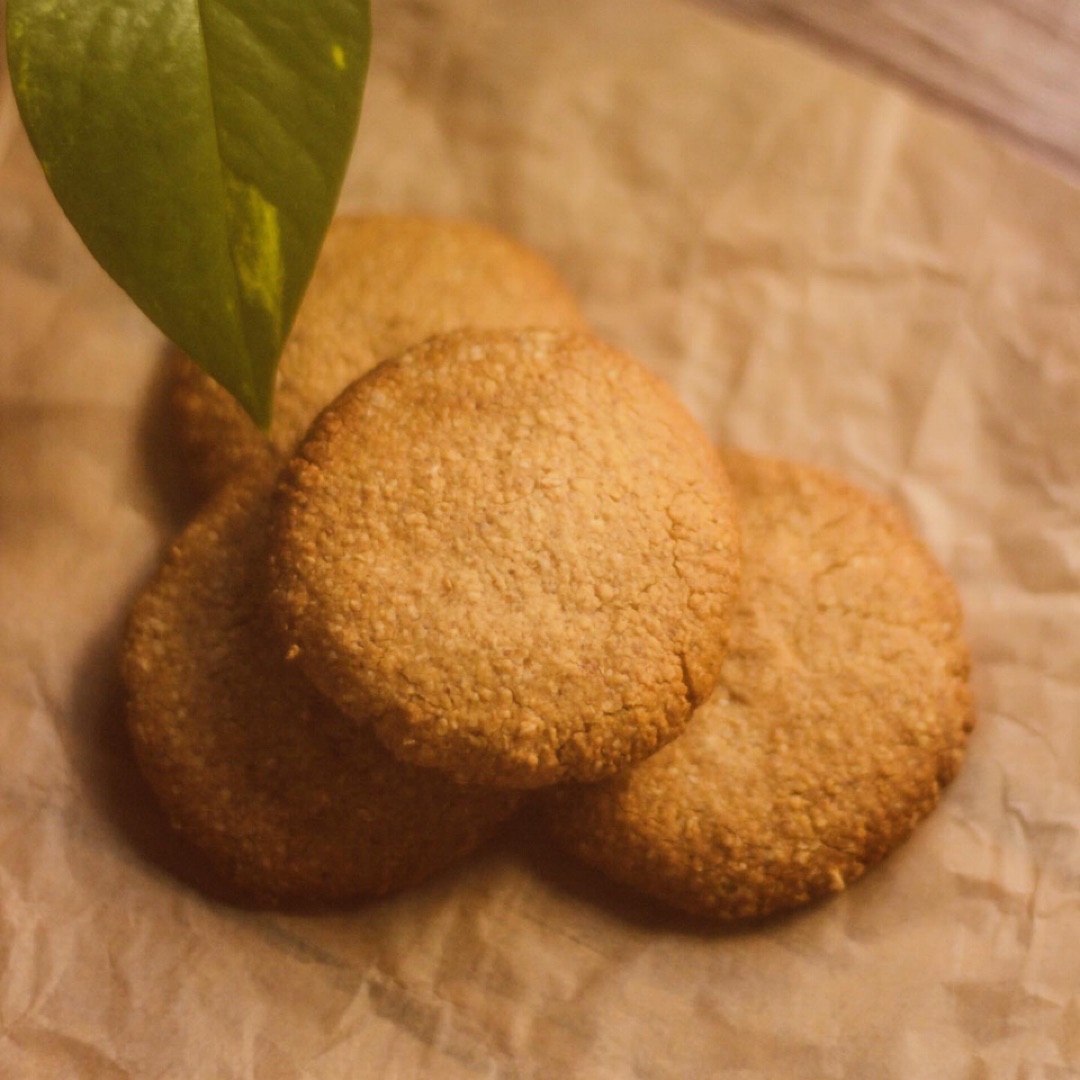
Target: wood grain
[[1013, 65]]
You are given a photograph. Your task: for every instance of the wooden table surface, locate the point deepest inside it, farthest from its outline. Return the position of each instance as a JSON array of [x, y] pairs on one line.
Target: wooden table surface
[[1012, 65]]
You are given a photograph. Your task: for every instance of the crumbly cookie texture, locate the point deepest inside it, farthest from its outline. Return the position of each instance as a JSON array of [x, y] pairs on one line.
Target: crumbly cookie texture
[[288, 798], [517, 551], [382, 283], [844, 708]]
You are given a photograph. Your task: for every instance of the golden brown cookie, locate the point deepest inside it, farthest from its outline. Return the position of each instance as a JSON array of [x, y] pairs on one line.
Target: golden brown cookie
[[288, 798], [382, 283], [516, 550], [843, 709]]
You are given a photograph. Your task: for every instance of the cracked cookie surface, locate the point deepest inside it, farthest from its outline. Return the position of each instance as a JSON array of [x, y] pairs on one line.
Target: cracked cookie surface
[[843, 709], [288, 798], [382, 283], [517, 551]]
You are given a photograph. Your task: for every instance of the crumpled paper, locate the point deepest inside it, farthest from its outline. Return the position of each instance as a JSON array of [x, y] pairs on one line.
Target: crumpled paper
[[822, 269]]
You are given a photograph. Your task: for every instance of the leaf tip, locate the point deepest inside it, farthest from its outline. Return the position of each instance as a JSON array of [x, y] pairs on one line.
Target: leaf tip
[[259, 405]]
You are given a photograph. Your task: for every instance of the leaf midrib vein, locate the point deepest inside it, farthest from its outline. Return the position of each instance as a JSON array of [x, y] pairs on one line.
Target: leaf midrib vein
[[237, 293]]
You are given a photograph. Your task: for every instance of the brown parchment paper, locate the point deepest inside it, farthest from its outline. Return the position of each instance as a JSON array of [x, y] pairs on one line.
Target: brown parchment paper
[[821, 269]]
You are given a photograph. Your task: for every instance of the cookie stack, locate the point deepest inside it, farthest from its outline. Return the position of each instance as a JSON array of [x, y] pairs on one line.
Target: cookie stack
[[475, 561]]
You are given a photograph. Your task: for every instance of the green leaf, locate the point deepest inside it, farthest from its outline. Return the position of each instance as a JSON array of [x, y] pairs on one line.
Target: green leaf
[[198, 147]]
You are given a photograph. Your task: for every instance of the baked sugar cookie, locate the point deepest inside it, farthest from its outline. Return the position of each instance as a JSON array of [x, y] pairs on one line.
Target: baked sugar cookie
[[843, 709], [516, 550], [382, 283], [287, 797]]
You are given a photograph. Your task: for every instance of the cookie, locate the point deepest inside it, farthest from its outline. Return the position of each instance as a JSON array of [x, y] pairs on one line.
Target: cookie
[[382, 283], [843, 709], [517, 551], [288, 798]]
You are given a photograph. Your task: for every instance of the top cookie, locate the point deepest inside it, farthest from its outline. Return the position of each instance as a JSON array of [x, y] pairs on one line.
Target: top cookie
[[843, 708], [517, 550], [382, 283]]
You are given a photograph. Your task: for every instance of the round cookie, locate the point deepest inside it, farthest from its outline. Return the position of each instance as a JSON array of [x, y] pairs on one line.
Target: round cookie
[[287, 797], [517, 551], [382, 283], [843, 709]]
